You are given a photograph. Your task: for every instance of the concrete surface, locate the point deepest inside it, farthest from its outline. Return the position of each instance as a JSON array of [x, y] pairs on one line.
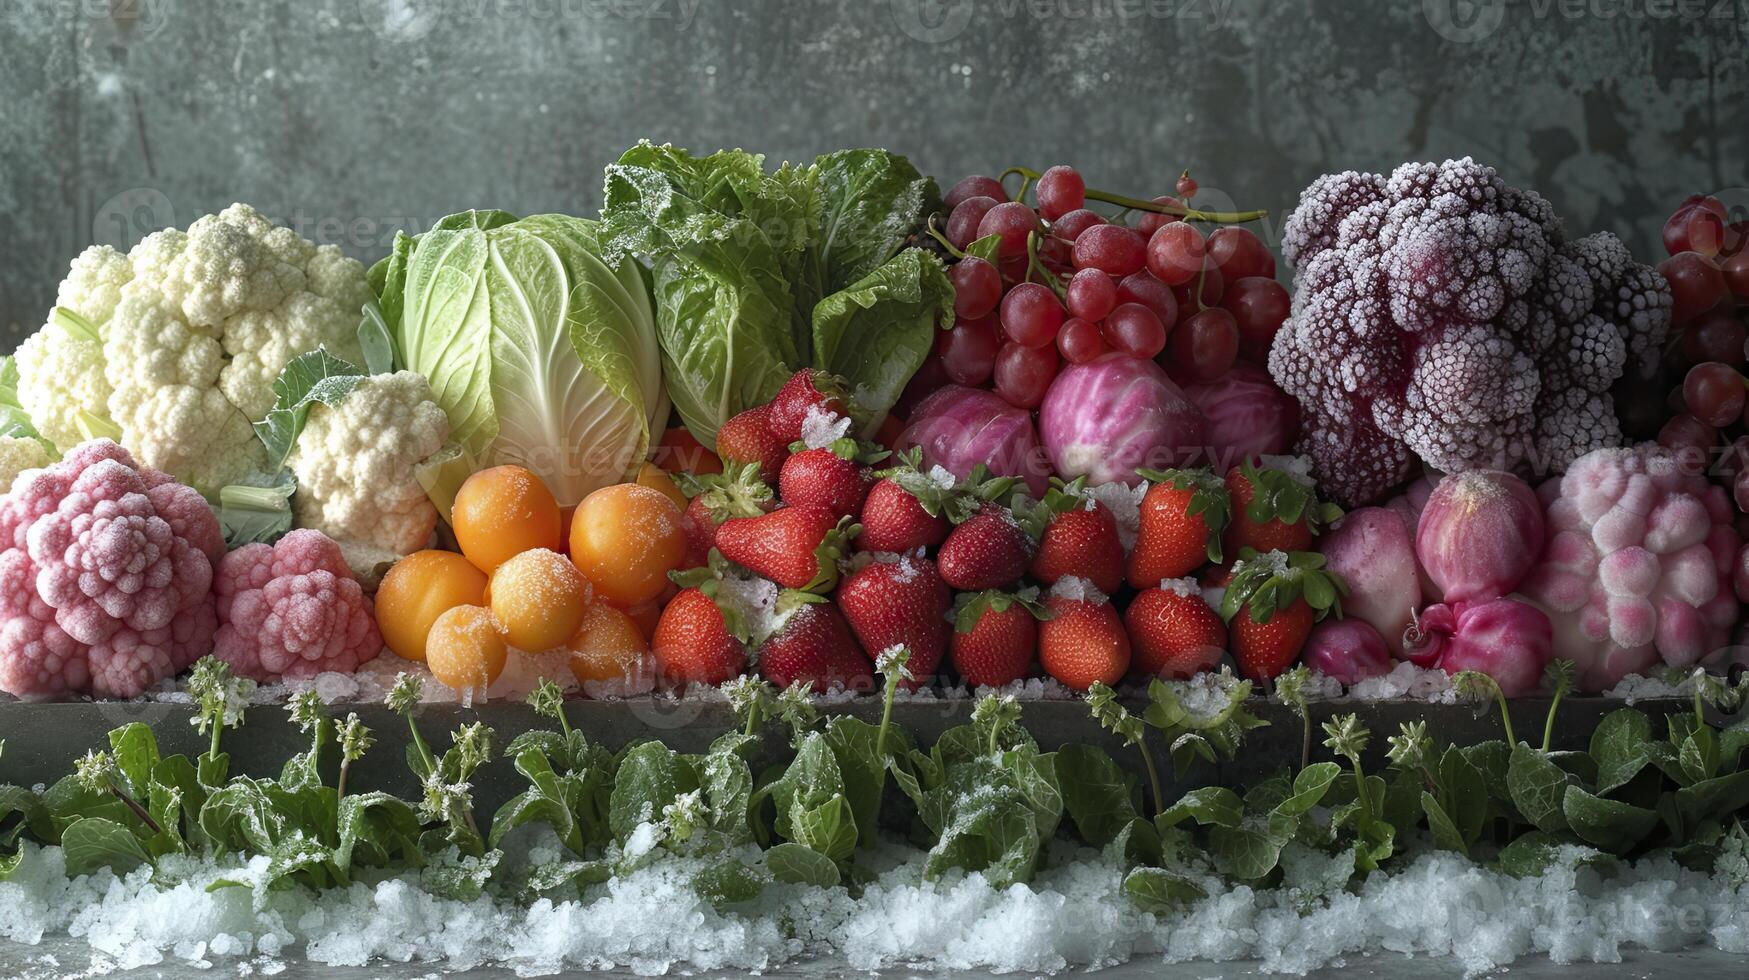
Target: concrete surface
[[353, 118], [70, 959]]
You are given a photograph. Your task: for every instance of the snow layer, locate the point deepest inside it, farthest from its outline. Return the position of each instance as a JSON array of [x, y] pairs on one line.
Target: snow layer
[[1074, 915]]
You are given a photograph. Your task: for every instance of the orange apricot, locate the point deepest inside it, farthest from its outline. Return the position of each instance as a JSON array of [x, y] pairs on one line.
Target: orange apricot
[[504, 511], [608, 646], [465, 649], [539, 598], [626, 538], [656, 478]]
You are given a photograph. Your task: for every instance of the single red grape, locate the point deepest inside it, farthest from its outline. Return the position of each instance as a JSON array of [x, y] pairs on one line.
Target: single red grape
[[1175, 253], [1070, 226], [1695, 284], [1031, 315], [1091, 294], [1024, 374], [1060, 190], [1143, 288], [1080, 341], [968, 351], [1204, 346], [1013, 221], [1149, 222], [1186, 186], [972, 187], [1735, 269], [1112, 249], [1206, 289], [963, 221], [1259, 306], [977, 287], [1685, 432], [1238, 253], [1740, 497], [1713, 393], [1698, 225], [1135, 330], [1715, 337]]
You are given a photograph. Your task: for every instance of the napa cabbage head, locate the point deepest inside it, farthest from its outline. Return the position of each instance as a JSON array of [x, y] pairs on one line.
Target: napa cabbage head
[[542, 352]]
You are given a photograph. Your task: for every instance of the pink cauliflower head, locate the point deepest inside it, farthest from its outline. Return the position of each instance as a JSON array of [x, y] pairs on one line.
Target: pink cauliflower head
[[1442, 315], [105, 576], [292, 609], [1636, 570]]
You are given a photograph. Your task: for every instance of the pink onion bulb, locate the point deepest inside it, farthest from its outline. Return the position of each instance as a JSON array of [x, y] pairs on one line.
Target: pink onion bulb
[[1479, 535], [1348, 650]]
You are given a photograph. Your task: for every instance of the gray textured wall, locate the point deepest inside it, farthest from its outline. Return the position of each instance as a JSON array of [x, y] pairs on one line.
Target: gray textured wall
[[355, 117]]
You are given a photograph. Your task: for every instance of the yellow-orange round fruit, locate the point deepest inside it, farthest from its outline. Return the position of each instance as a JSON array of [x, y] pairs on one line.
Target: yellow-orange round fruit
[[538, 597], [465, 649], [418, 589], [504, 511], [656, 478], [608, 646], [626, 539]]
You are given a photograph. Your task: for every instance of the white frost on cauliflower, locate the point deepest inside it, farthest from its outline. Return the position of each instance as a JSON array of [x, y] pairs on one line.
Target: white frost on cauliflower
[[195, 327], [355, 468]]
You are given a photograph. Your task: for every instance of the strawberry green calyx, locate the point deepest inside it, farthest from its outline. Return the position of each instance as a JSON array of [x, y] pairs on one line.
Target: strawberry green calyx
[[1268, 583], [970, 607], [1209, 500], [847, 448], [936, 490], [1285, 495], [736, 492], [834, 547]]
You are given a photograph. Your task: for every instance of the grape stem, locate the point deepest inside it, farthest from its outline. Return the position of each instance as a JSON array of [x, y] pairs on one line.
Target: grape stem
[[1046, 276], [936, 234], [1028, 175]]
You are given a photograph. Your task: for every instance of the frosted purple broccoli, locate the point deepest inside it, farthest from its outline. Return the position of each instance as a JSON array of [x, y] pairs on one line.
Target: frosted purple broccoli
[[1441, 316]]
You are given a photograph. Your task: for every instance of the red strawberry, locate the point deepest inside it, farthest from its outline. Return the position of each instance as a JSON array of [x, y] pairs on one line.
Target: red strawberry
[[894, 520], [899, 603], [1179, 525], [693, 645], [715, 499], [747, 438], [995, 638], [806, 389], [1174, 632], [1079, 538], [910, 509], [1083, 642], [814, 645], [1270, 606], [988, 551], [1273, 510], [827, 478], [796, 547]]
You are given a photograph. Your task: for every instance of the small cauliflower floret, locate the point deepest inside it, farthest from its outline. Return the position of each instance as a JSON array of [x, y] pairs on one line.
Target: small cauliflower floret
[[18, 454], [60, 374], [1440, 313], [195, 326], [292, 609], [355, 468]]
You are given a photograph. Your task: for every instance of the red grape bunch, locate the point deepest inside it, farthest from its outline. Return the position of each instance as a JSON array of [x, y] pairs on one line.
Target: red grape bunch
[[1065, 283], [1708, 272]]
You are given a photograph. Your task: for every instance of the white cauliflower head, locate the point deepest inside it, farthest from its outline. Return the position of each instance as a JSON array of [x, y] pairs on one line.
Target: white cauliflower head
[[355, 464], [195, 326]]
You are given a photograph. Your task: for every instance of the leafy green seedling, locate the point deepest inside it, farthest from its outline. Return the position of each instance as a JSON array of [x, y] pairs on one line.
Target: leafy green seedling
[[1115, 718]]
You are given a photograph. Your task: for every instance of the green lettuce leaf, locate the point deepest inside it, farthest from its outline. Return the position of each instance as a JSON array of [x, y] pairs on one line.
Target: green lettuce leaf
[[876, 333]]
